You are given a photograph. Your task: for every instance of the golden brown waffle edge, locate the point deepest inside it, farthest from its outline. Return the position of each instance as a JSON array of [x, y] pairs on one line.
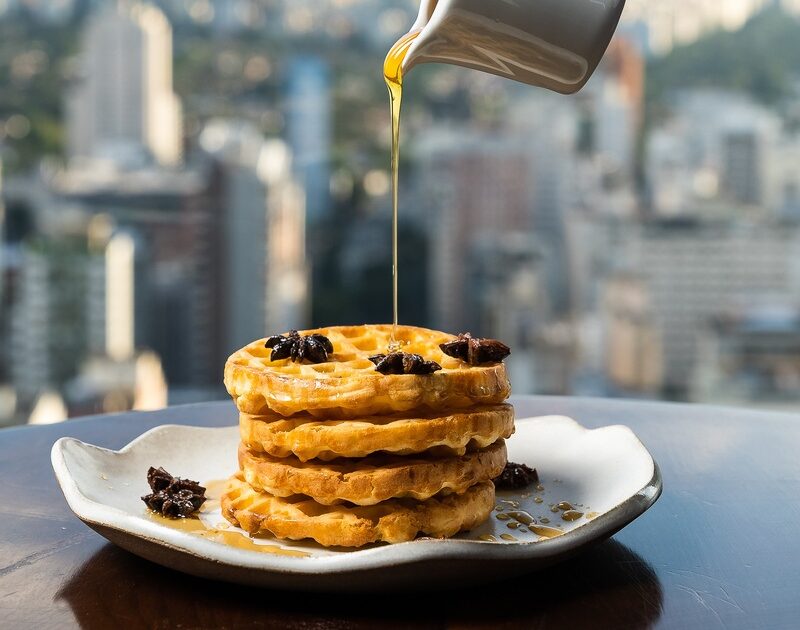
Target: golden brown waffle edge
[[348, 385], [371, 480], [393, 521], [306, 437]]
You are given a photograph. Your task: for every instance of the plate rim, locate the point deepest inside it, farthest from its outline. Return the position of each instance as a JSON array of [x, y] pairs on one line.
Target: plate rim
[[424, 549]]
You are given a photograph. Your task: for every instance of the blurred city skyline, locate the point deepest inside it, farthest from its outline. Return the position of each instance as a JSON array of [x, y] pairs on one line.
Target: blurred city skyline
[[181, 177]]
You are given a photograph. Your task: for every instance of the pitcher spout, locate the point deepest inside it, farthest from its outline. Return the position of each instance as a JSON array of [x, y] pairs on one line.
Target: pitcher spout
[[423, 22], [555, 44]]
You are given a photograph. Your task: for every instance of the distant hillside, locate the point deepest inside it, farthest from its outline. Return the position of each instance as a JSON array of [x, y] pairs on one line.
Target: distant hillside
[[762, 58]]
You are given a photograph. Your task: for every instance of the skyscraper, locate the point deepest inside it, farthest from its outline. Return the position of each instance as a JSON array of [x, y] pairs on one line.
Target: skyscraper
[[124, 108], [119, 297], [718, 148], [632, 354], [48, 327], [616, 98], [176, 219], [694, 271], [471, 184], [265, 276], [309, 131]]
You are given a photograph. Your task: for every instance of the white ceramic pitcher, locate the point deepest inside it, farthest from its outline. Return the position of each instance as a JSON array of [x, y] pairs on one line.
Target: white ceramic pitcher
[[555, 44]]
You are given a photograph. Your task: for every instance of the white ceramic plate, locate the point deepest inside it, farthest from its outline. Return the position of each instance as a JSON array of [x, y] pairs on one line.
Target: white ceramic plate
[[607, 474]]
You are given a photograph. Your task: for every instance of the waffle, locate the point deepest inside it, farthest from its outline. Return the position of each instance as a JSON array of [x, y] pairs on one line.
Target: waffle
[[372, 479], [348, 385], [396, 520], [307, 437]]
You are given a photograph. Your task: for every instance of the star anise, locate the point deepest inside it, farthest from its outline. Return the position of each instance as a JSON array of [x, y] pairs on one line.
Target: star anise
[[311, 348], [475, 350], [172, 496], [404, 363], [516, 476]]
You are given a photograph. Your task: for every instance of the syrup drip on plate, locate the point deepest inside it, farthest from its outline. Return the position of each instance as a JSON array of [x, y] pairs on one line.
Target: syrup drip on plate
[[221, 533]]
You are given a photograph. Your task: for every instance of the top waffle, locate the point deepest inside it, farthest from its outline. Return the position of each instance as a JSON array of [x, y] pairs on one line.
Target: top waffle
[[348, 384]]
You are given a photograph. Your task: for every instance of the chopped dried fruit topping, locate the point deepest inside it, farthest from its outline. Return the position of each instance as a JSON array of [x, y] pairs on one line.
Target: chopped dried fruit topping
[[311, 348], [403, 363], [172, 496], [474, 350], [516, 476]]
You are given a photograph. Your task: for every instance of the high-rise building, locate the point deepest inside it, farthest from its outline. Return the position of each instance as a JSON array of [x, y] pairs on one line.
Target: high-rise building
[[124, 109], [473, 185], [509, 300], [75, 320], [265, 280], [615, 96], [111, 300], [308, 126], [546, 125], [48, 327], [632, 348], [693, 271], [176, 220], [717, 151]]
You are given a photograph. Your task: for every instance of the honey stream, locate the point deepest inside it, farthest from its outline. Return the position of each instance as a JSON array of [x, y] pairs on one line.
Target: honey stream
[[393, 74]]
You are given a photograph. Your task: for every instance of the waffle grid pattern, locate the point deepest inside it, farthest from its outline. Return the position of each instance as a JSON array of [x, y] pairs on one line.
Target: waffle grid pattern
[[396, 520], [373, 479], [348, 385], [307, 437], [342, 454]]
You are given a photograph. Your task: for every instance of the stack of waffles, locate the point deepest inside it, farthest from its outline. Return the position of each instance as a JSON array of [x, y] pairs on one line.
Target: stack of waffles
[[340, 453]]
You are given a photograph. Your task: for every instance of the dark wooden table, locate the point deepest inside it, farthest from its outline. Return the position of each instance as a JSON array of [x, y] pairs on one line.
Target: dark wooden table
[[721, 548]]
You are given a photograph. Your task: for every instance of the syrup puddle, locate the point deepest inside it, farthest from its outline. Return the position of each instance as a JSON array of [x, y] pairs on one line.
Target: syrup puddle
[[243, 541], [221, 532], [526, 511], [534, 514]]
